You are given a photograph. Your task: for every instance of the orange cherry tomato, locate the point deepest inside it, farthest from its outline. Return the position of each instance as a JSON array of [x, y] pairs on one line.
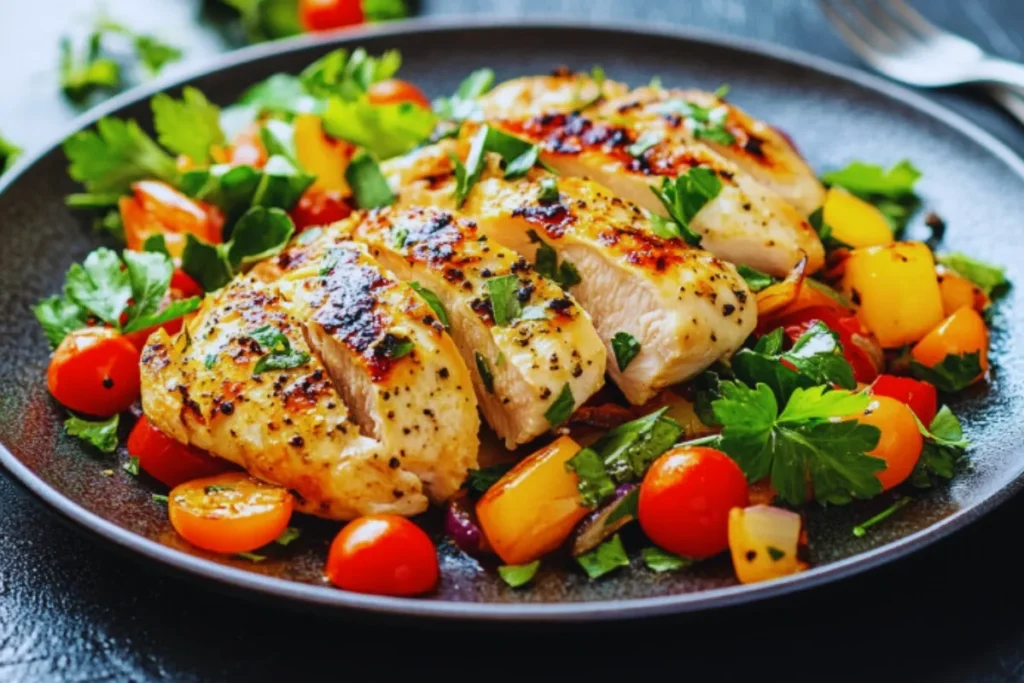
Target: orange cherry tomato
[[961, 333], [383, 555], [156, 208], [168, 461], [324, 15], [685, 499], [394, 91], [920, 396], [230, 512], [94, 371], [319, 207], [901, 441]]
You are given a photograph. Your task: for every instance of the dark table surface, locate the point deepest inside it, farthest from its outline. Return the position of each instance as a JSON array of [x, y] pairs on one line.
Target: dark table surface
[[73, 610]]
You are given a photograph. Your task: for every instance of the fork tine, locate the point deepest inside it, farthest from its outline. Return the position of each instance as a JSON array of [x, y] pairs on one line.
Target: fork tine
[[857, 28], [914, 19], [881, 11]]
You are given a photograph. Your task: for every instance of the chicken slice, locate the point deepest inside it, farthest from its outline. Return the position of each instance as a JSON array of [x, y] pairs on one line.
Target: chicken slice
[[753, 145], [683, 307], [285, 426], [397, 369], [522, 365], [745, 223], [561, 91]]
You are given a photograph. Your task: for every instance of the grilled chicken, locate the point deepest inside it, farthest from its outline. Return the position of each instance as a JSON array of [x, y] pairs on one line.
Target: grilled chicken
[[286, 426], [523, 364], [697, 117], [562, 91], [745, 223], [682, 306], [389, 357]]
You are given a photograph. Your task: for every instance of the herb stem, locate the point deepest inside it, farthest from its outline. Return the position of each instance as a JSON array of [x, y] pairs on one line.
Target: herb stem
[[701, 441], [861, 529]]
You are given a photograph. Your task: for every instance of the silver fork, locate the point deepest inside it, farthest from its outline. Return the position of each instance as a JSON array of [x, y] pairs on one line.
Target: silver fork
[[897, 41]]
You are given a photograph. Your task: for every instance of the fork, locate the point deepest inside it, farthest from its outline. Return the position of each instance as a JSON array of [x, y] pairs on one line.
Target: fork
[[897, 41]]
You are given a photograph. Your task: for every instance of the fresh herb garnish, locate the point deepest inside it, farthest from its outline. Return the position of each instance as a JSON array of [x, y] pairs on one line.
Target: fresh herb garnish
[[288, 536], [81, 74], [954, 373], [546, 264], [707, 123], [267, 19], [217, 488], [505, 305], [516, 575], [433, 300], [595, 484], [115, 155], [659, 561], [462, 105], [9, 153], [561, 408], [484, 368], [626, 348], [518, 156], [548, 191], [802, 442], [683, 198], [862, 529], [369, 186], [189, 126], [160, 498], [987, 277], [277, 349], [252, 557], [824, 230], [478, 481], [891, 191], [131, 466], [944, 447], [643, 143], [154, 53], [605, 558], [258, 234], [755, 279], [386, 130], [102, 434], [393, 346]]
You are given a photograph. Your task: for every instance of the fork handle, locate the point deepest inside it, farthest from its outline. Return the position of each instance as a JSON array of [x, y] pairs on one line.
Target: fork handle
[[1001, 72], [1011, 99]]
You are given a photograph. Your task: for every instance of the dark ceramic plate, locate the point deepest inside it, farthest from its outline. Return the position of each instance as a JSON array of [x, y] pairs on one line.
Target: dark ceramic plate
[[836, 114]]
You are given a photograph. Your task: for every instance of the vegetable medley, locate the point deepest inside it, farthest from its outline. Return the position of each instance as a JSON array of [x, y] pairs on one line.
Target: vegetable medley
[[838, 393]]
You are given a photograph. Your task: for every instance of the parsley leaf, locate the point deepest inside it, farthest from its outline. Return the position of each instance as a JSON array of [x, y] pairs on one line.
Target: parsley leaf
[[626, 348], [546, 264], [259, 234], [954, 373], [281, 185], [267, 19], [824, 230], [643, 143], [131, 466], [891, 191], [987, 277], [116, 154], [58, 316], [944, 446], [81, 74], [595, 484], [386, 130], [484, 368], [101, 434], [561, 408], [462, 105], [755, 279], [279, 352], [683, 199], [802, 443], [548, 191], [505, 305], [659, 561], [100, 285], [369, 186], [252, 557], [349, 75], [150, 276], [288, 536], [605, 558], [189, 126], [519, 157], [206, 263], [706, 123], [9, 153], [150, 50], [478, 481], [516, 575], [434, 301]]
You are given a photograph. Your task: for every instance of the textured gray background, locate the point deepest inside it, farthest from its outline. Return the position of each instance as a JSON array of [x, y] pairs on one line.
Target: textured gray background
[[70, 610]]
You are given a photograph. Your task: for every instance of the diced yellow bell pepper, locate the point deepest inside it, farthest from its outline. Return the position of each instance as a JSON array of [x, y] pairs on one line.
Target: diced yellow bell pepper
[[961, 333], [958, 292], [763, 542], [896, 290], [533, 508], [325, 158], [855, 221]]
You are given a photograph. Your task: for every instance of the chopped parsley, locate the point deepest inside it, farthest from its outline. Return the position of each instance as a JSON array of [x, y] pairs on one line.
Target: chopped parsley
[[478, 481], [288, 536], [462, 105], [548, 193], [660, 561], [643, 143], [131, 466], [102, 434], [369, 186], [484, 368], [605, 558], [954, 373], [82, 73], [683, 198], [505, 305], [755, 279], [160, 498], [517, 155], [705, 123], [862, 529], [252, 557], [546, 264], [210, 361], [516, 575], [626, 348], [278, 351], [217, 488], [824, 230], [988, 278], [433, 301], [595, 484], [561, 408], [393, 346], [9, 153], [891, 191]]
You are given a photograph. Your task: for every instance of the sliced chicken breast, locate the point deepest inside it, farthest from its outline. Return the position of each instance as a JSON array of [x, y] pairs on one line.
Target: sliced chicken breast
[[287, 426], [524, 362], [561, 91], [679, 308], [698, 117], [745, 223], [397, 369]]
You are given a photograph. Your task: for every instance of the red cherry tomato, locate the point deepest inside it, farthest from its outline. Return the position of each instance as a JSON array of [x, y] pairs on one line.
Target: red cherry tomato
[[383, 555], [95, 371], [168, 461], [185, 285], [919, 396], [865, 368], [393, 91], [685, 500], [319, 207], [156, 208], [324, 15]]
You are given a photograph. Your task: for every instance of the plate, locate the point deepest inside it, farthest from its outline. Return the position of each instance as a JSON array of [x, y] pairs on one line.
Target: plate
[[836, 114]]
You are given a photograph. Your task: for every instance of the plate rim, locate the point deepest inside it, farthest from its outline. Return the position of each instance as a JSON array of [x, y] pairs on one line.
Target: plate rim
[[298, 593]]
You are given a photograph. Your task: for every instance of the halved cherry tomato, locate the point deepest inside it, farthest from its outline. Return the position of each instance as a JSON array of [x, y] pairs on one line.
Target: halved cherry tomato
[[94, 371], [319, 207], [184, 284], [685, 500], [919, 396], [393, 91], [229, 513], [323, 15], [383, 555], [961, 333], [168, 461], [900, 442], [156, 208], [864, 356]]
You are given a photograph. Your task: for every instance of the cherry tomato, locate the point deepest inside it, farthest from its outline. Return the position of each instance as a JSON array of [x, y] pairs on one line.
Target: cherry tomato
[[168, 461], [94, 371], [324, 15], [230, 512], [901, 441], [319, 207], [156, 208], [393, 91], [863, 357], [961, 333], [185, 285], [383, 555], [247, 148], [685, 500], [920, 396]]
